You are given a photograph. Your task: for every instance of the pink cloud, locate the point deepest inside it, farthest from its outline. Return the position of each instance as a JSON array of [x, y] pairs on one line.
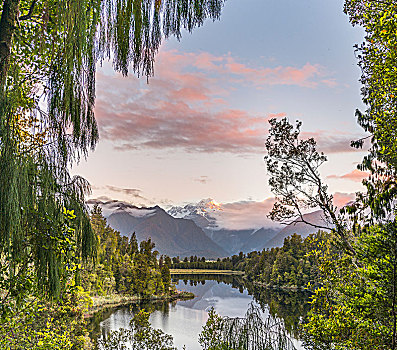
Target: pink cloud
[[355, 175], [308, 75], [304, 76], [330, 82], [340, 199], [277, 115], [176, 109], [189, 94], [245, 215], [184, 105]]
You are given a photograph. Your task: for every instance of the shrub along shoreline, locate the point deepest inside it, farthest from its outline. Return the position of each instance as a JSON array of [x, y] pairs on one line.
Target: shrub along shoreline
[[115, 300]]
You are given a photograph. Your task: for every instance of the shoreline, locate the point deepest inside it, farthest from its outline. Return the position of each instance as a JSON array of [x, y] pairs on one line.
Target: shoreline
[[116, 300]]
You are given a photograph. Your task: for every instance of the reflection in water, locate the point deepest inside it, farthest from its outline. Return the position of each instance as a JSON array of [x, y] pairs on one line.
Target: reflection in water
[[226, 294], [290, 306]]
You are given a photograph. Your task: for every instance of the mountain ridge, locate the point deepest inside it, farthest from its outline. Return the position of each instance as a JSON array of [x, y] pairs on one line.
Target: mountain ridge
[[172, 236], [193, 229]]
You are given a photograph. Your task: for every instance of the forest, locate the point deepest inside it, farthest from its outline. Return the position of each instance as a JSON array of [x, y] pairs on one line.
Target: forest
[[55, 254], [292, 266]]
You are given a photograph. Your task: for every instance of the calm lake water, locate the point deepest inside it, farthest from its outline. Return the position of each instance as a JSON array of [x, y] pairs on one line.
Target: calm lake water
[[226, 294]]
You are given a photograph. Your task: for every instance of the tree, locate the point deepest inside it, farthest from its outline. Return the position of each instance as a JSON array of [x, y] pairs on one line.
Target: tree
[[133, 245], [48, 56], [355, 305], [293, 164], [376, 58], [165, 277]]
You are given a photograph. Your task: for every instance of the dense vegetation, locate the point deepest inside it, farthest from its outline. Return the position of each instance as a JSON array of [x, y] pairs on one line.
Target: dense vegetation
[[355, 308], [48, 56], [49, 52], [123, 267], [289, 266], [202, 263]]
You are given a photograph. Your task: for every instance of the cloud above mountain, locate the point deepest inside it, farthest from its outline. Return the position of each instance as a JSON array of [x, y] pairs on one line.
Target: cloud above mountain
[[340, 199], [245, 214], [135, 196], [355, 175]]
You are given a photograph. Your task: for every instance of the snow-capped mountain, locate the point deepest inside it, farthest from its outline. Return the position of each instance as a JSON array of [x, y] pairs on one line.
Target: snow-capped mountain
[[172, 236], [206, 214], [204, 229], [201, 213]]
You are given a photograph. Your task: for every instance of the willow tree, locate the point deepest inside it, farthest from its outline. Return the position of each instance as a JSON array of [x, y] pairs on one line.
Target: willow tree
[[252, 332], [49, 51]]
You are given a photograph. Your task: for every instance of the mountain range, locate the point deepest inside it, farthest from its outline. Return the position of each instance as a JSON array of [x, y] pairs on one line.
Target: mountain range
[[194, 229]]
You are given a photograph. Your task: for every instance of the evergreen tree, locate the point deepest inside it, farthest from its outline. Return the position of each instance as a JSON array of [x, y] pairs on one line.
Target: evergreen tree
[[133, 245]]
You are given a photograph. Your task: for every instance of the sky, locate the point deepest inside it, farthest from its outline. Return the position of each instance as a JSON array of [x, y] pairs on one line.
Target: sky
[[197, 130]]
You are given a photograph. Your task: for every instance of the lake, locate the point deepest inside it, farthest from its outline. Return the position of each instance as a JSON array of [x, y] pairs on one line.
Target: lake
[[228, 295]]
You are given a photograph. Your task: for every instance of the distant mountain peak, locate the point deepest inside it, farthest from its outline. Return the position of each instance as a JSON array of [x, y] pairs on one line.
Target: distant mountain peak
[[209, 203], [199, 212]]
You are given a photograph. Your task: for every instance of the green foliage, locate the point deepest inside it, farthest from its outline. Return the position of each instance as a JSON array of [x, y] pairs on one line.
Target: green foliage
[[121, 266], [49, 51], [228, 263], [35, 147], [355, 306], [376, 58], [290, 266], [44, 325], [29, 317], [354, 301], [48, 268], [210, 336]]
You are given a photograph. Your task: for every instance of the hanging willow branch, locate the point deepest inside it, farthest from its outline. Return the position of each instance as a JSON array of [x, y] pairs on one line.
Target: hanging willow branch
[[48, 61], [251, 332]]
